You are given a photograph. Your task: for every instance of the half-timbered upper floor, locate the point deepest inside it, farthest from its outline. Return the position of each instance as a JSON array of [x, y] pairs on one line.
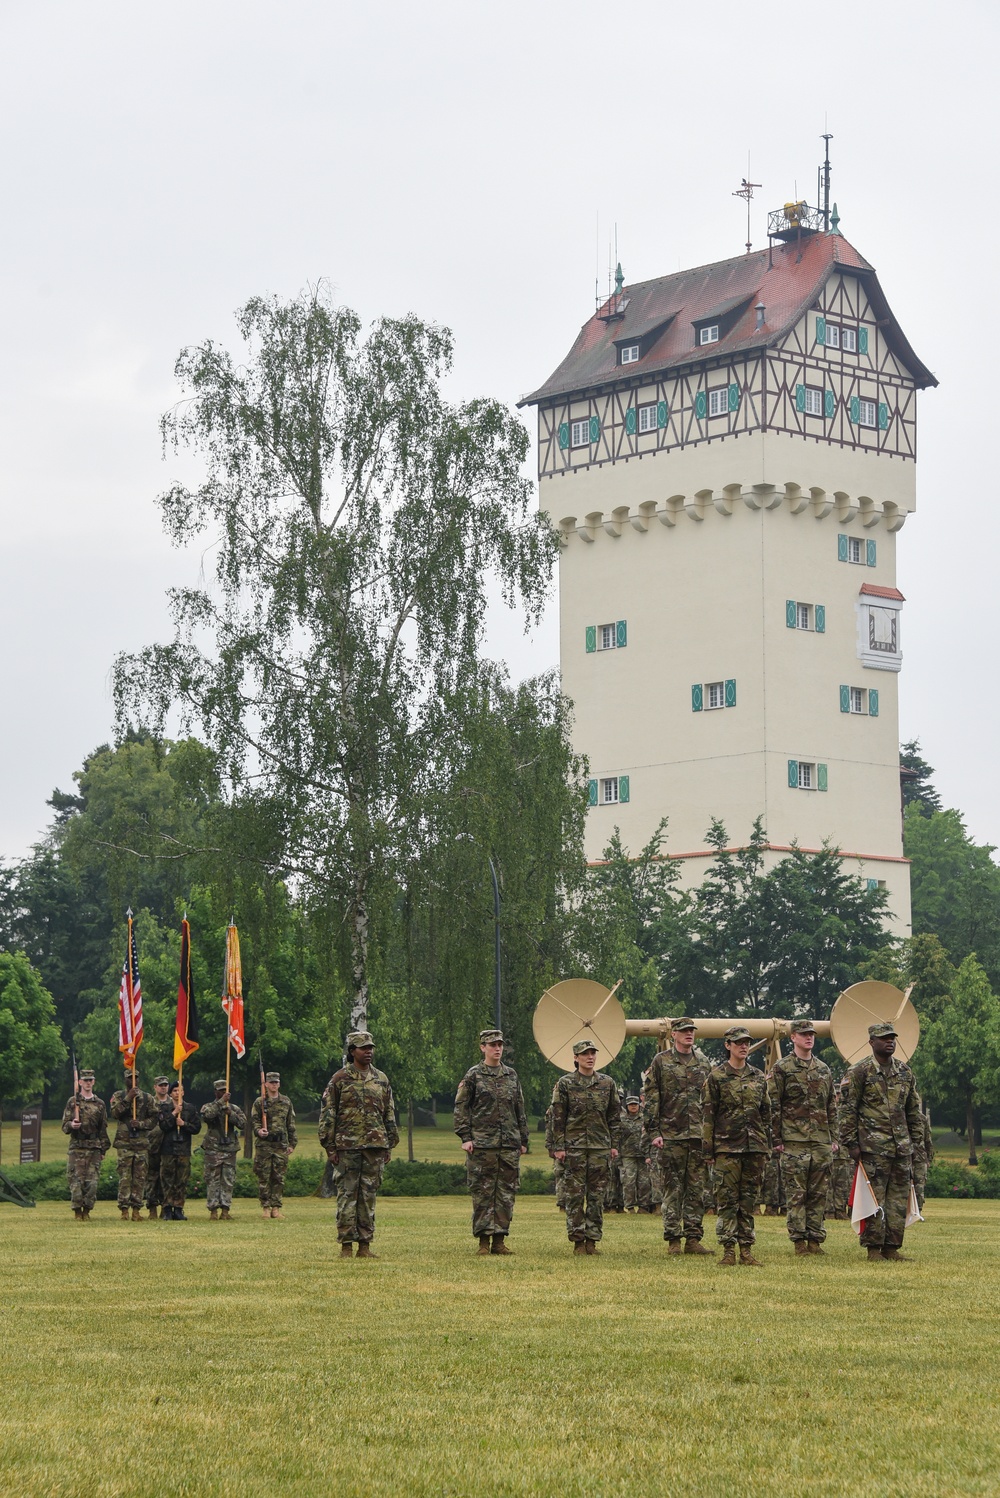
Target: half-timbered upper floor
[[798, 340]]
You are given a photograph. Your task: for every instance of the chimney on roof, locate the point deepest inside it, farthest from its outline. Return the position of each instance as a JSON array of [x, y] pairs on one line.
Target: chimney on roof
[[760, 310]]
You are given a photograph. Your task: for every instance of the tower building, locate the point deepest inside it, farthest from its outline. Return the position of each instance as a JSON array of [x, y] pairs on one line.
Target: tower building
[[729, 454]]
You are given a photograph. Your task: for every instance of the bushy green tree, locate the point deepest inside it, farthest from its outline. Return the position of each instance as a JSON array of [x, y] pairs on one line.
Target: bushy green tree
[[917, 785], [955, 886], [30, 1045], [958, 1059]]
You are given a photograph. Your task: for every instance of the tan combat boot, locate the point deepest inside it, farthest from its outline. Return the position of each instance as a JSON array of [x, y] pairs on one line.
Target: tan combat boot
[[590, 1247], [78, 1213], [895, 1256], [674, 1246], [579, 1247], [695, 1246], [873, 1254], [213, 1215], [500, 1244], [86, 1214], [365, 1251], [747, 1257], [816, 1248], [137, 1215], [771, 1212], [728, 1259], [226, 1215], [347, 1250], [483, 1251], [153, 1213], [801, 1249], [277, 1212], [124, 1212], [267, 1212]]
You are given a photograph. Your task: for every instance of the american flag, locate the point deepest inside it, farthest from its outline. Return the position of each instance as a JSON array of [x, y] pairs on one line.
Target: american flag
[[130, 1002]]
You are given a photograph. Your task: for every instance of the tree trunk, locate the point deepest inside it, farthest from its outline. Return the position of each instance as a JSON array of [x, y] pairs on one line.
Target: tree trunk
[[359, 957], [978, 1117], [409, 1130], [970, 1126]]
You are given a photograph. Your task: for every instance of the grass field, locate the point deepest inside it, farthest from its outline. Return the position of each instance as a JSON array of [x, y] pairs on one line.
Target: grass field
[[199, 1358]]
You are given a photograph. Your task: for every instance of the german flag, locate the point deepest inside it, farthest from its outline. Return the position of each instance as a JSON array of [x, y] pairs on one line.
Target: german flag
[[186, 1028]]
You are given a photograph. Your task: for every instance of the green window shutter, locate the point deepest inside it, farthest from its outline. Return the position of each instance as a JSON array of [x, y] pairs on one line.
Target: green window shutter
[[793, 774], [734, 397], [883, 417], [731, 692], [871, 553], [862, 340], [821, 330], [790, 613], [697, 697], [800, 397], [595, 429], [841, 548], [621, 634], [701, 405], [661, 413], [873, 702], [591, 636], [564, 434], [820, 616], [829, 403], [845, 699], [623, 787], [630, 421], [821, 777], [591, 792], [855, 409]]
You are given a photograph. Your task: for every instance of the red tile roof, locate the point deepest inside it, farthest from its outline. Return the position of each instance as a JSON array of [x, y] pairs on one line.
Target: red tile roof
[[788, 284], [875, 590]]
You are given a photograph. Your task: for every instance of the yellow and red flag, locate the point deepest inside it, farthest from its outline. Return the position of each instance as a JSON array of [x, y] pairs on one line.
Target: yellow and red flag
[[186, 1027], [130, 1002], [232, 992]]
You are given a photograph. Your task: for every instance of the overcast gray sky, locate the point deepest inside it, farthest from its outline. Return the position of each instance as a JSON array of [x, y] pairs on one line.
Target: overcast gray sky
[[164, 163]]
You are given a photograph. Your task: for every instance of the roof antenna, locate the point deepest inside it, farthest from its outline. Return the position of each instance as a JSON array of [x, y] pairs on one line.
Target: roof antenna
[[825, 177], [745, 191], [597, 264]]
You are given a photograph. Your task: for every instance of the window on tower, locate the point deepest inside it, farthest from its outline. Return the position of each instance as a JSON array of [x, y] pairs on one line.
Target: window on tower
[[849, 340], [813, 401], [718, 401], [832, 335], [608, 637], [630, 353], [856, 549], [709, 334], [802, 616], [580, 433], [609, 790], [858, 700], [715, 694], [807, 776], [883, 630], [867, 413], [647, 418]]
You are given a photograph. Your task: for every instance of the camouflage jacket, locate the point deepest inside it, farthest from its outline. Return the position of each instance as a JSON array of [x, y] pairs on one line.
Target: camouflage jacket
[[632, 1137], [881, 1114], [923, 1153], [803, 1102], [214, 1115], [176, 1133], [280, 1122], [489, 1108], [674, 1096], [93, 1131], [585, 1112], [138, 1135], [358, 1111], [548, 1129], [737, 1112]]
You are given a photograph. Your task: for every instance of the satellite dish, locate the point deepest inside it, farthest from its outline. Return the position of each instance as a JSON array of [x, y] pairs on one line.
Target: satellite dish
[[578, 1009], [865, 1004]]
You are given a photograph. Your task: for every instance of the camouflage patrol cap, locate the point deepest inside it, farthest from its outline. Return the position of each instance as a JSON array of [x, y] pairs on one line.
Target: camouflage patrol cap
[[361, 1039], [875, 1032], [632, 1099], [737, 1032], [272, 1076], [683, 1023], [87, 1076], [802, 1027], [491, 1037], [161, 1081], [221, 1085], [583, 1045]]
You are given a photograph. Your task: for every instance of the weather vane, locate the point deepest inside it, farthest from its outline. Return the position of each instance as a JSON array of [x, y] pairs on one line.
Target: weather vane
[[745, 192]]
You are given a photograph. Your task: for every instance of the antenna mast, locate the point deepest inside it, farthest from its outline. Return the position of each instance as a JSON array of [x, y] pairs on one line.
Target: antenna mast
[[825, 174], [745, 191]]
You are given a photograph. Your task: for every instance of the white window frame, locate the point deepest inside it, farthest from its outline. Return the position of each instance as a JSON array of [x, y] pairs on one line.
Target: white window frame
[[708, 335], [718, 401], [813, 401], [858, 704], [807, 776], [867, 412], [602, 632], [630, 353], [803, 616], [857, 551], [609, 790], [849, 340], [833, 335], [648, 418], [579, 432], [881, 659], [715, 689]]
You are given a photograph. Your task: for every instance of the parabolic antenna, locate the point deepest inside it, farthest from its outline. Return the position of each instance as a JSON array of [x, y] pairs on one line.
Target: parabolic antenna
[[578, 1009], [865, 1004]]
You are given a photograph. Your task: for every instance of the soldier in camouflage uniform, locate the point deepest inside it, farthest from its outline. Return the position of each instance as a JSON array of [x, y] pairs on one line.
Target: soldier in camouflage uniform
[[491, 1122], [772, 1188], [614, 1192], [840, 1172], [272, 1122], [881, 1127], [803, 1132], [558, 1169], [178, 1121], [922, 1158], [219, 1147], [132, 1144], [736, 1136], [154, 1190], [357, 1128], [632, 1158], [585, 1122], [85, 1120], [674, 1112]]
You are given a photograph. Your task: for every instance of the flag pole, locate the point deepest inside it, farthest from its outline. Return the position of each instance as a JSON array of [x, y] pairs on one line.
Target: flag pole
[[228, 1002], [130, 1003]]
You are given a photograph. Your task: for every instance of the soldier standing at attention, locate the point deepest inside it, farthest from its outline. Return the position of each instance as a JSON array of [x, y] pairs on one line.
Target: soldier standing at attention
[[736, 1138], [674, 1113], [154, 1191], [219, 1151], [177, 1122], [272, 1119], [357, 1128], [840, 1174], [491, 1122], [881, 1126], [585, 1121], [803, 1131], [633, 1158], [132, 1144], [85, 1120]]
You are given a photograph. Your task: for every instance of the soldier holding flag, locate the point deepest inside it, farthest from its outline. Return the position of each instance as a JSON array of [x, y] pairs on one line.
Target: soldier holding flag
[[272, 1120], [881, 1127], [85, 1120]]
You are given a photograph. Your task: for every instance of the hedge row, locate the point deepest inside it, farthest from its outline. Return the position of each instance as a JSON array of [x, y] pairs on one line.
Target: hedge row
[[944, 1178]]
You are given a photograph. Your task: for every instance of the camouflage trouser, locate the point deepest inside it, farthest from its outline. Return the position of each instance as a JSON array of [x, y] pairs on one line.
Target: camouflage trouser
[[175, 1172], [132, 1167], [586, 1180], [357, 1177], [82, 1169], [614, 1196], [494, 1176], [920, 1183], [635, 1183], [154, 1191], [656, 1178], [683, 1167], [839, 1185], [737, 1191], [559, 1176], [806, 1174], [709, 1187], [220, 1178], [772, 1187], [270, 1162], [889, 1177]]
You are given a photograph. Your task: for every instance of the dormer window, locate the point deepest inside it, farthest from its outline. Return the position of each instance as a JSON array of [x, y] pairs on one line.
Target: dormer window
[[709, 334], [630, 353]]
